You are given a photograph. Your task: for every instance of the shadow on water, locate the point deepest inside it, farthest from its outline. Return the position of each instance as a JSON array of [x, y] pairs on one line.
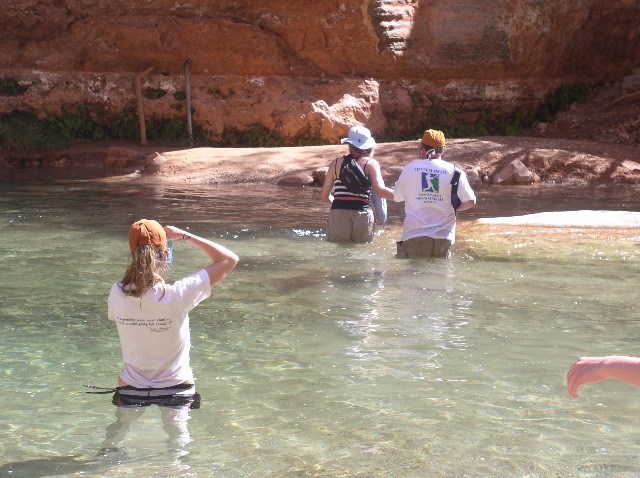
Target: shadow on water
[[50, 466], [69, 464]]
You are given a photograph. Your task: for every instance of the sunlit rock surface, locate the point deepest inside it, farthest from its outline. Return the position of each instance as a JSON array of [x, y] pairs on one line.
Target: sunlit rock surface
[[308, 67], [623, 219]]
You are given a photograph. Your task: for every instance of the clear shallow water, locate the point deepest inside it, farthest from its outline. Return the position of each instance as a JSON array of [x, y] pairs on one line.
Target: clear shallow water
[[320, 360]]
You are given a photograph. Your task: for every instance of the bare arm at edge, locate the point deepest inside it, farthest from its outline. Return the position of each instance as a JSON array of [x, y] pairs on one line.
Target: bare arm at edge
[[327, 187], [223, 259], [596, 369], [467, 205]]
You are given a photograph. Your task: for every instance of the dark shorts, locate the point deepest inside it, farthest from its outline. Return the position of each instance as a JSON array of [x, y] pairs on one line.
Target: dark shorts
[[177, 396]]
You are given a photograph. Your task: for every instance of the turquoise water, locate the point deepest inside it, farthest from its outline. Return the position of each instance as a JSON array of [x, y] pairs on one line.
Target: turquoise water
[[315, 359]]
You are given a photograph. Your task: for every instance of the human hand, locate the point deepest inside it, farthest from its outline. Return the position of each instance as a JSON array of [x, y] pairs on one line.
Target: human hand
[[585, 370]]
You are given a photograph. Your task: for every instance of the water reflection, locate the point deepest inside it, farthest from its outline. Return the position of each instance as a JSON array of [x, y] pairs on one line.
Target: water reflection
[[401, 318], [174, 423]]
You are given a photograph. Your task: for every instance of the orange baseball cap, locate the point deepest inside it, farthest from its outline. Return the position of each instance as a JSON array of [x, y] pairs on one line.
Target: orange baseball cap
[[147, 231], [433, 138]]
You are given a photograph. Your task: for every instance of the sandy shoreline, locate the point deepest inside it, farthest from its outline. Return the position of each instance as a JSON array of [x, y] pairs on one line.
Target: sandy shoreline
[[556, 161]]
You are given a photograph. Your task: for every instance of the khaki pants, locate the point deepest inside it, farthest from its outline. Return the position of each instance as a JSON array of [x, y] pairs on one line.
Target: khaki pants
[[346, 225], [424, 247]]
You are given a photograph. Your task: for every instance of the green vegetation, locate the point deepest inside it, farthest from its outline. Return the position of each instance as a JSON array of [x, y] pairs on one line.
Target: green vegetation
[[11, 87], [485, 122], [173, 131], [180, 95], [561, 100], [125, 126], [78, 123], [153, 93], [24, 132], [314, 139], [259, 136], [218, 93]]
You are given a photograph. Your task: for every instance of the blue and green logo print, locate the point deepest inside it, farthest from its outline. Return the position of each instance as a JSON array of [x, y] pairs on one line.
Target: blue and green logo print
[[430, 182]]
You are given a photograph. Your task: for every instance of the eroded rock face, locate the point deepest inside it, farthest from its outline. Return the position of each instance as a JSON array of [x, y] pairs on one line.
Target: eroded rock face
[[308, 67]]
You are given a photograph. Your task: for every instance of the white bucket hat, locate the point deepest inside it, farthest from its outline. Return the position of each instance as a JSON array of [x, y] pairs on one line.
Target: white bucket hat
[[360, 137]]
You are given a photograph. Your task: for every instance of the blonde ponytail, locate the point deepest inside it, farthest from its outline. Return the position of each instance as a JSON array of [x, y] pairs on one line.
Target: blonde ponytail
[[144, 271]]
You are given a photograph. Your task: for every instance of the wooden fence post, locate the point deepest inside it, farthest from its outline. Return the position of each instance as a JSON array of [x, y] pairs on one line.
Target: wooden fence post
[[188, 87]]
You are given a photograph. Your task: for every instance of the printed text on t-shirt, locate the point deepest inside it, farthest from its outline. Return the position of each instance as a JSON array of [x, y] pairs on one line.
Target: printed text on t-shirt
[[158, 324]]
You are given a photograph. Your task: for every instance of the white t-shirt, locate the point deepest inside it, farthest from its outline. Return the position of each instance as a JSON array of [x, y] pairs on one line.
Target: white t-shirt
[[154, 330], [425, 188]]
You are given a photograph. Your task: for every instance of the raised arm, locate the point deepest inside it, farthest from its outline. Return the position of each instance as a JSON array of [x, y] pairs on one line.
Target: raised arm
[[596, 369], [223, 259], [377, 182]]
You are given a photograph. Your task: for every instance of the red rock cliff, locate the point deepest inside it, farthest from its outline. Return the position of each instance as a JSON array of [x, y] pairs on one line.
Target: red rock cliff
[[308, 66]]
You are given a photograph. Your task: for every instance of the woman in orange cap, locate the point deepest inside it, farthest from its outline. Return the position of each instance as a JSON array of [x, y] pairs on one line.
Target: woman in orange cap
[[153, 317]]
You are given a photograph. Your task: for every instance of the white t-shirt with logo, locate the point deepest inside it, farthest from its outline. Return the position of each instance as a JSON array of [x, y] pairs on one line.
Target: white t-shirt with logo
[[154, 330], [425, 188]]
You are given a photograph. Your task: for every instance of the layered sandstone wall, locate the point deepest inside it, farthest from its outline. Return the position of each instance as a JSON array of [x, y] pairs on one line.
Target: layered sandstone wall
[[309, 67]]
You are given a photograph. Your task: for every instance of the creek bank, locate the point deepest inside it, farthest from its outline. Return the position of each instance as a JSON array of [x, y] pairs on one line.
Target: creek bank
[[552, 160]]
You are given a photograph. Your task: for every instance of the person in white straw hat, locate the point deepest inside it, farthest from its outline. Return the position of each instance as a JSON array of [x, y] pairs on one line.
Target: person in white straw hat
[[348, 187], [360, 137]]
